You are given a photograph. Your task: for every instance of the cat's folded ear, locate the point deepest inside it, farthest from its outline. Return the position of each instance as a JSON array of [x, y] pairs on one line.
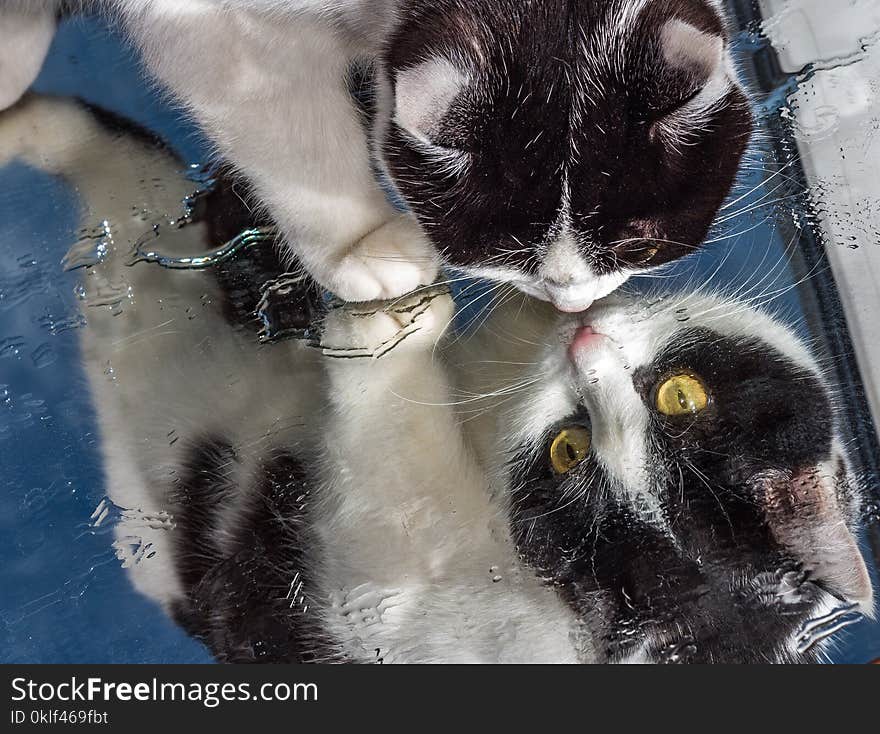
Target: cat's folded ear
[[686, 48], [808, 512], [424, 94]]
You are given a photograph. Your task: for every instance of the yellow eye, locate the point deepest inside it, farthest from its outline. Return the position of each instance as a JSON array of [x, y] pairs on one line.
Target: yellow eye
[[682, 395], [569, 448]]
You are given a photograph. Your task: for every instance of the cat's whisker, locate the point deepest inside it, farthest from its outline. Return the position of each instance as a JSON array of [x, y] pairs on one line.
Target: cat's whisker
[[445, 282], [761, 299], [760, 204], [757, 186], [491, 290], [504, 296], [617, 243], [499, 292], [498, 362], [740, 233], [742, 296]]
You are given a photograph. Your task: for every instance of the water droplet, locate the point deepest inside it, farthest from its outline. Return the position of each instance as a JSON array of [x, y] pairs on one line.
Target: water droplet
[[11, 347], [43, 356]]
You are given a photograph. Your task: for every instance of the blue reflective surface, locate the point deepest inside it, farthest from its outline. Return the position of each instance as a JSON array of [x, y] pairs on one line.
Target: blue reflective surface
[[63, 596]]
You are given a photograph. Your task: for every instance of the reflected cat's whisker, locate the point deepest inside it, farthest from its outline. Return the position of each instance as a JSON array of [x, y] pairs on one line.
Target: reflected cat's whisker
[[501, 392], [743, 297]]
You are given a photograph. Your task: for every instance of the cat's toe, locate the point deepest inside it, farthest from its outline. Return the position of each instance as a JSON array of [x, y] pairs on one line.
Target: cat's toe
[[430, 310], [391, 261], [359, 279], [375, 329], [353, 281], [358, 330]]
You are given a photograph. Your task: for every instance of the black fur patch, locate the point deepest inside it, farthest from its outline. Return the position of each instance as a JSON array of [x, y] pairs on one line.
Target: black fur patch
[[765, 412], [539, 113], [227, 209], [248, 588]]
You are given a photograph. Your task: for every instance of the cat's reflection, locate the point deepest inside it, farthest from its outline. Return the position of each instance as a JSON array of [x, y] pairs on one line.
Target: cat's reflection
[[655, 480]]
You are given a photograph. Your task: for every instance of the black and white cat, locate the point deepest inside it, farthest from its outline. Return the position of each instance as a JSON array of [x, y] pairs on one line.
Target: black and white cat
[[653, 480], [557, 145]]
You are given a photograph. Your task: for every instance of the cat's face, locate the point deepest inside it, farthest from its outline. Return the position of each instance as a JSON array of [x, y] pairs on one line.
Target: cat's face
[[563, 146], [676, 476]]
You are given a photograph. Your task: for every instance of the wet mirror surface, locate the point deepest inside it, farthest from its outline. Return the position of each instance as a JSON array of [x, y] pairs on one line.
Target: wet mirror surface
[[206, 457]]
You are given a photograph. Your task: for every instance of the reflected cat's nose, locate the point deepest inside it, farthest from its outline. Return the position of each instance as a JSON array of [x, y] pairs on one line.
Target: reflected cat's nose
[[586, 339]]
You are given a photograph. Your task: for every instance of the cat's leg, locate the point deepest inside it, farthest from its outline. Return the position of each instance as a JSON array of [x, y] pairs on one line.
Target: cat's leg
[[272, 93], [392, 439], [398, 486], [26, 32], [410, 525], [381, 346]]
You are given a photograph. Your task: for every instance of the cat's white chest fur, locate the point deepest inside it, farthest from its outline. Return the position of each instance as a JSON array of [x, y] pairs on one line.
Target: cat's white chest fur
[[447, 602]]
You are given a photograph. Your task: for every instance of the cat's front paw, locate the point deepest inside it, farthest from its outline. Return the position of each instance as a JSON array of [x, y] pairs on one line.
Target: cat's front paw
[[391, 261], [25, 36], [372, 330]]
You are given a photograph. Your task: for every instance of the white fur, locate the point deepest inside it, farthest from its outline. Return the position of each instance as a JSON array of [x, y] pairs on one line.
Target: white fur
[[271, 91], [519, 362], [171, 367], [525, 338], [686, 47], [411, 443], [415, 524], [267, 81], [25, 35]]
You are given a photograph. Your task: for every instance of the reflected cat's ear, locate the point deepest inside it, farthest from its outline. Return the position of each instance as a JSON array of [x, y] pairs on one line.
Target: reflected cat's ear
[[689, 49], [423, 95], [807, 514]]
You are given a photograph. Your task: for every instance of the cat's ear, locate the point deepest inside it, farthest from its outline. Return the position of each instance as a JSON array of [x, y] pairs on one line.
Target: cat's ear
[[807, 512], [423, 95], [689, 49]]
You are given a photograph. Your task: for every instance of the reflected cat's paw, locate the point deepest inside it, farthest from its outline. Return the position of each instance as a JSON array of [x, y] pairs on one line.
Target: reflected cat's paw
[[375, 329]]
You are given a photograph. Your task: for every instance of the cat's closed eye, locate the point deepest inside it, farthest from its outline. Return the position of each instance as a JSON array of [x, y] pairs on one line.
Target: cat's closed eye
[[569, 448], [670, 107], [635, 250]]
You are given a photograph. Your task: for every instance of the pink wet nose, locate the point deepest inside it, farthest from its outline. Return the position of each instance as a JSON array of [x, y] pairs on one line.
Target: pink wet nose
[[584, 338]]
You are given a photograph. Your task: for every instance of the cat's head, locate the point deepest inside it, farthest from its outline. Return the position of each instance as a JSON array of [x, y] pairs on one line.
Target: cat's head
[[563, 146], [677, 476]]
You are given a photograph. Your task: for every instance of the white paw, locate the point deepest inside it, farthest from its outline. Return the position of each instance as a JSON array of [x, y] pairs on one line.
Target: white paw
[[389, 262], [375, 329], [24, 41]]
